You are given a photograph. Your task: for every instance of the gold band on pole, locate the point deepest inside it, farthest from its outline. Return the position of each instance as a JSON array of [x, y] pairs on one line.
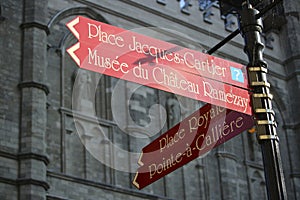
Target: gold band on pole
[[260, 83], [258, 69], [262, 95], [264, 110], [266, 122], [268, 137]]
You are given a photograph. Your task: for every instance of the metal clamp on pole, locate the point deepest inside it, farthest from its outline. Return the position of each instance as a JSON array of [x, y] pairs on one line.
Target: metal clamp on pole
[[266, 122], [258, 69], [263, 95], [260, 83], [264, 110], [268, 137]]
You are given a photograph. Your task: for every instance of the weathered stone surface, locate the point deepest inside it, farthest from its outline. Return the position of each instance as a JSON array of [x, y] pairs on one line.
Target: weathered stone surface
[[42, 152]]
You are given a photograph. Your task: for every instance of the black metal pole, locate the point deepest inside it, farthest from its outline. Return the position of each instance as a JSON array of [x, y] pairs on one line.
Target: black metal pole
[[251, 27], [237, 31]]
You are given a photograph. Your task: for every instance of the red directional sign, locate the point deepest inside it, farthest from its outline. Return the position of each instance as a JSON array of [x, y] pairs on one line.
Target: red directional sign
[[196, 135], [123, 54], [144, 49]]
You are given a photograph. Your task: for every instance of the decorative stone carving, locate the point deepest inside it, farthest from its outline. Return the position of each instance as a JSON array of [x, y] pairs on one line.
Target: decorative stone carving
[[208, 12], [83, 102], [173, 109], [230, 22], [184, 6], [269, 40]]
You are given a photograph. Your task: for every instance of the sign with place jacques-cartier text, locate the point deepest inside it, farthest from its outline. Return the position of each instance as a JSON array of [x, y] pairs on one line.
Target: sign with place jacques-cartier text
[[196, 135], [130, 56]]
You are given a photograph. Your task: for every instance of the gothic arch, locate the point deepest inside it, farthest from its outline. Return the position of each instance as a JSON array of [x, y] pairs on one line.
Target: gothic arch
[[60, 42], [257, 175], [80, 128], [80, 10], [59, 38], [63, 14], [258, 185]]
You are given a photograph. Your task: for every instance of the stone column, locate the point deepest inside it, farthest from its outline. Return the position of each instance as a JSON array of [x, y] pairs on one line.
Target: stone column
[[227, 162], [291, 40], [32, 150]]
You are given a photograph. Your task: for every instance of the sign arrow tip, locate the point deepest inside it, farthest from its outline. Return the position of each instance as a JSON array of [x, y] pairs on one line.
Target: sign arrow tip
[[71, 51], [71, 25], [134, 181], [140, 160]]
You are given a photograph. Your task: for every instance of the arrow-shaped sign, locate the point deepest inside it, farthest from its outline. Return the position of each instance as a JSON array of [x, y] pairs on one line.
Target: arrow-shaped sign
[[183, 133], [186, 141], [96, 33], [171, 70], [71, 25], [72, 50]]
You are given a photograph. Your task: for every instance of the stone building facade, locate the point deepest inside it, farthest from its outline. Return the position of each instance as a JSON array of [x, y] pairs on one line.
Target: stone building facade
[[56, 146]]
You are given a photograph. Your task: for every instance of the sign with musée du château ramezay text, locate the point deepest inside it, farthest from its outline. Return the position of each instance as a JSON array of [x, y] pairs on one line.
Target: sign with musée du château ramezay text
[[130, 56]]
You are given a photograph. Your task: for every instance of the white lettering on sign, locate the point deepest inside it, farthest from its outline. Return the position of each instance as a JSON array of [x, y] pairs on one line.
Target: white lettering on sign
[[205, 66], [218, 132], [203, 120], [105, 62], [221, 95], [166, 164], [95, 31], [169, 141], [155, 52], [171, 79]]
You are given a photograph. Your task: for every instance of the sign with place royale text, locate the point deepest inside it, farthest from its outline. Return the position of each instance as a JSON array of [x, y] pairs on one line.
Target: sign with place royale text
[[196, 135], [130, 56]]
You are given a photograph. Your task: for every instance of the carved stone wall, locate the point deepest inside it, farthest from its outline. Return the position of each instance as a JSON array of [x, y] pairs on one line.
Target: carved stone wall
[[57, 146]]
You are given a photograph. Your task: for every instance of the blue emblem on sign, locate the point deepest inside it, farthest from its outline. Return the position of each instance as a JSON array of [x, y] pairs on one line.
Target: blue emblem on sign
[[237, 74]]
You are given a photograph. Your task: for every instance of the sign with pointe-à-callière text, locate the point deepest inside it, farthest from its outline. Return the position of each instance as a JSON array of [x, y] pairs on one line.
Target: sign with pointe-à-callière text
[[195, 136], [134, 57]]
